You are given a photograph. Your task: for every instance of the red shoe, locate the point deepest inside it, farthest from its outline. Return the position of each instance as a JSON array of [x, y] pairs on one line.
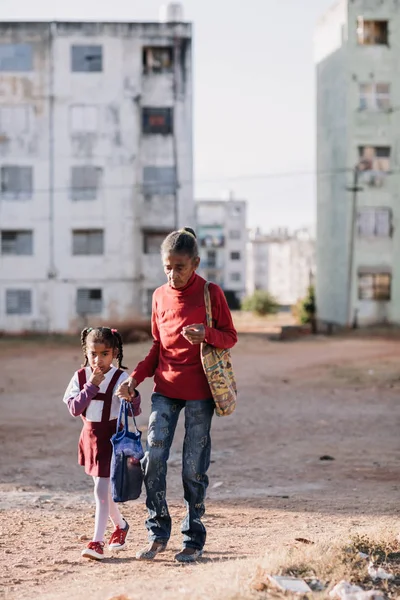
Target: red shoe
[[118, 538], [94, 551]]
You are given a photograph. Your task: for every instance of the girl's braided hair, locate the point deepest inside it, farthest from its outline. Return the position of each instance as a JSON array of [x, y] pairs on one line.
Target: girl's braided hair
[[111, 338], [181, 242]]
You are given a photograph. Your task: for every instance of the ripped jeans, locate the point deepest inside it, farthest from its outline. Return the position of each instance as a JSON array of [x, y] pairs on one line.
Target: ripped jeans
[[195, 462]]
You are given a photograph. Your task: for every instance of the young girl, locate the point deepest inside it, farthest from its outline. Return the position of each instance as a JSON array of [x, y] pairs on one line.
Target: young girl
[[91, 394]]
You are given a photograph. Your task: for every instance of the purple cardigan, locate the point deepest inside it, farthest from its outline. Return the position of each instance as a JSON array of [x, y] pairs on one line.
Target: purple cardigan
[[78, 404]]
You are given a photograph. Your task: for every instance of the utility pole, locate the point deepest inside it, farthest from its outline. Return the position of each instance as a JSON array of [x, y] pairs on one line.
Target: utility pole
[[355, 188]]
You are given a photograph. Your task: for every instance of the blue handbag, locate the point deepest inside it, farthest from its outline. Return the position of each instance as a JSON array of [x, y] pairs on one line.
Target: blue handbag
[[126, 471]]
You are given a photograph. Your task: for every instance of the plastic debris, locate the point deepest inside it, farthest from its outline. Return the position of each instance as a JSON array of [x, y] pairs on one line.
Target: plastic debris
[[347, 591], [378, 572], [290, 584]]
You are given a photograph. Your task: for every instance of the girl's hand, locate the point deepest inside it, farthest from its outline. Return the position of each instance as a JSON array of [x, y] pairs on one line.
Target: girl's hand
[[97, 376], [127, 389], [194, 334]]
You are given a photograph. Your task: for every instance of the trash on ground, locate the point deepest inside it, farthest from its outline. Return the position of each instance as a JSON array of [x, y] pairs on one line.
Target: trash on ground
[[347, 591], [304, 540], [217, 484], [326, 457], [378, 572], [290, 584]]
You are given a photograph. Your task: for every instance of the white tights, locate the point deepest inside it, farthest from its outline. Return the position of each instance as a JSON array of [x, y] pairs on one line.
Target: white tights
[[105, 508]]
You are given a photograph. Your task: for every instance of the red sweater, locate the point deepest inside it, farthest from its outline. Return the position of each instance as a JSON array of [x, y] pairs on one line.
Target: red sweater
[[175, 362]]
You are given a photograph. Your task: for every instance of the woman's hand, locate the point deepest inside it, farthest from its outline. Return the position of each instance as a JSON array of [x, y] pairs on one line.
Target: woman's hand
[[195, 334], [97, 376], [127, 389]]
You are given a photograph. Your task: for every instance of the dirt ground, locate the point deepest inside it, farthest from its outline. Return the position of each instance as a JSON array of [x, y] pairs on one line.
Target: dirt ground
[[299, 401]]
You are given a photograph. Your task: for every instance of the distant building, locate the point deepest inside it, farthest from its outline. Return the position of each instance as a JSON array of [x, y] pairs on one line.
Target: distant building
[[358, 124], [222, 235], [95, 167], [281, 263]]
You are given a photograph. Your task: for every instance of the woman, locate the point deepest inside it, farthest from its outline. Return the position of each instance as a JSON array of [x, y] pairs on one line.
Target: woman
[[178, 327]]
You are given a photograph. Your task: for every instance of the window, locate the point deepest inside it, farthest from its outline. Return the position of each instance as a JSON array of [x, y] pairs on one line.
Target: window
[[16, 182], [152, 242], [18, 302], [83, 118], [236, 210], [159, 181], [374, 164], [374, 222], [86, 59], [89, 301], [234, 234], [374, 286], [158, 59], [372, 33], [211, 259], [148, 301], [157, 120], [18, 243], [374, 96], [87, 241], [16, 57], [85, 182], [235, 255], [15, 120], [236, 277]]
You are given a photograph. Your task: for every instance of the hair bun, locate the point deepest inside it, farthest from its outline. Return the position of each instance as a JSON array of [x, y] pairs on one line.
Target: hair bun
[[189, 230]]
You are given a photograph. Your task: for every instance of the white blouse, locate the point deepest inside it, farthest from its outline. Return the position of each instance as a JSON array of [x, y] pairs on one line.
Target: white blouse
[[95, 409]]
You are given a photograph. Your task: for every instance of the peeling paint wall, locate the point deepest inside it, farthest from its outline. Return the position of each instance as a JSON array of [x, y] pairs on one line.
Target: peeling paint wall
[[92, 120]]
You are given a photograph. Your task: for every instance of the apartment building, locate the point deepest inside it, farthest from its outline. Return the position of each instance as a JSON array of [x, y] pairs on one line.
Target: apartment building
[[281, 263], [95, 166], [222, 236], [358, 163]]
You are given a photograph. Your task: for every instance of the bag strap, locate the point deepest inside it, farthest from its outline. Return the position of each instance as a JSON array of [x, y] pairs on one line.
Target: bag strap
[[124, 409], [207, 302]]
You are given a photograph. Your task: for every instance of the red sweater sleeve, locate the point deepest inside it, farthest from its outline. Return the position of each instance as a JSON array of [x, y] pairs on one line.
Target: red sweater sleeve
[[223, 333], [147, 367]]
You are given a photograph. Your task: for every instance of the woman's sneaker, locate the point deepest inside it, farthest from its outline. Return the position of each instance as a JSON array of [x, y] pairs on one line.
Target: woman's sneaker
[[118, 538], [94, 551]]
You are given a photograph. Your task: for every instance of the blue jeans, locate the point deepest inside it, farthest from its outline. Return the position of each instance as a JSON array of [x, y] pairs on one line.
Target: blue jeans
[[195, 462]]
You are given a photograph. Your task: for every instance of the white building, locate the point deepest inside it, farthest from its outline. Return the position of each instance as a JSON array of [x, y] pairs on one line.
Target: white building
[[95, 167], [280, 263], [222, 236], [358, 125]]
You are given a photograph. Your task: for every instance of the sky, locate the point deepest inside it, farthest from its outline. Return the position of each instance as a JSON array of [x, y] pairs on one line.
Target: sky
[[254, 95]]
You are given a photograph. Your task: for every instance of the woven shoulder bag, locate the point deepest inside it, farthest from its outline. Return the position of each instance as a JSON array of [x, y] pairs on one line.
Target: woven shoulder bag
[[217, 365]]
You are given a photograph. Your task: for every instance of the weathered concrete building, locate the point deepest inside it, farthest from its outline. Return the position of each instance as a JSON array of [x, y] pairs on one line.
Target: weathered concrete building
[[281, 263], [95, 167], [222, 236], [358, 162]]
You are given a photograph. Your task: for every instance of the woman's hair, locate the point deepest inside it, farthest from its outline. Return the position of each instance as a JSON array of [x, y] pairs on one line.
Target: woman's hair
[[181, 242], [111, 338]]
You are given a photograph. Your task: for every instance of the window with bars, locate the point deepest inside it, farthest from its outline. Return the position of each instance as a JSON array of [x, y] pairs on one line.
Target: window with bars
[[87, 242], [159, 181], [89, 301], [374, 96], [19, 243], [16, 182], [158, 59], [374, 164], [374, 222], [85, 182], [152, 242], [18, 302], [374, 286], [372, 32], [16, 57], [157, 121], [15, 120], [86, 59], [235, 255], [235, 276]]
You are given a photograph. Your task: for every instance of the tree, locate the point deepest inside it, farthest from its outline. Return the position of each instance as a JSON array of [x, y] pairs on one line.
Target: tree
[[305, 310], [261, 303]]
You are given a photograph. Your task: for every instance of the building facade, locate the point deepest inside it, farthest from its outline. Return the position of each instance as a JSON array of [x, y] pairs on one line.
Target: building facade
[[280, 263], [222, 235], [95, 167], [358, 163]]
